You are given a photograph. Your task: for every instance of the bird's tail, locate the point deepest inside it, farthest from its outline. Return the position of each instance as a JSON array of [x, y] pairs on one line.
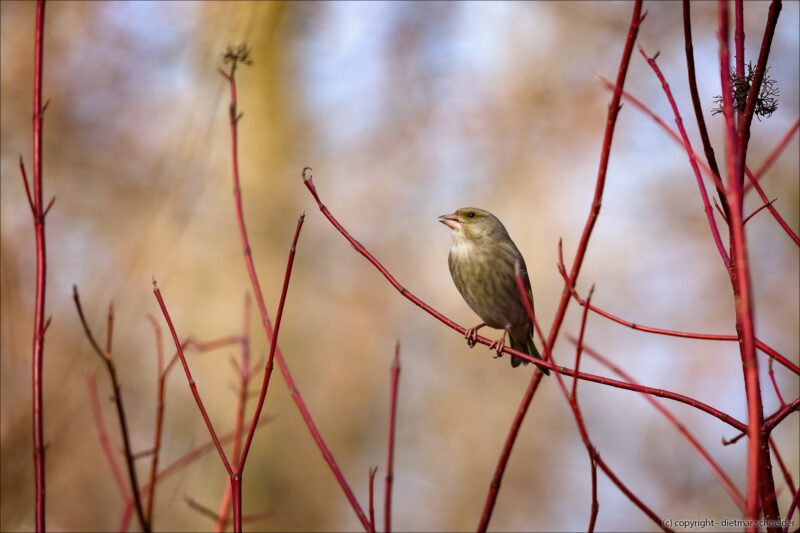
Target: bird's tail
[[529, 348]]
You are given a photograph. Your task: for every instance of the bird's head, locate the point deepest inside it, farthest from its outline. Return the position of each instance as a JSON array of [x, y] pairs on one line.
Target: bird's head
[[471, 223]]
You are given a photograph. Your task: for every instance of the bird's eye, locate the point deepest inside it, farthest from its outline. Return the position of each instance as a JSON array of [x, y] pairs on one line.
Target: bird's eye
[[471, 214]]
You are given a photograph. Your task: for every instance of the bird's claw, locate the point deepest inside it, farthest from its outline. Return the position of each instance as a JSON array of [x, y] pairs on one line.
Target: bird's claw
[[471, 335], [498, 346]]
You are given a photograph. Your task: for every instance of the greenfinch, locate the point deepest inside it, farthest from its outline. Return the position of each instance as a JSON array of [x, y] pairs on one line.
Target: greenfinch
[[482, 263]]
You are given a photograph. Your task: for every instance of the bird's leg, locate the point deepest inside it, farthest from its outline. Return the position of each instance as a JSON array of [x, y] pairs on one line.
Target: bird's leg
[[500, 344], [471, 334]]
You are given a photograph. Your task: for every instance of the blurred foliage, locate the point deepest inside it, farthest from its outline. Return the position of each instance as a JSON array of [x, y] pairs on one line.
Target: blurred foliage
[[405, 111]]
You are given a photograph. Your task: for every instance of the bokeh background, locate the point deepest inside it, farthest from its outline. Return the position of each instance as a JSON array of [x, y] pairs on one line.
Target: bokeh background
[[405, 111]]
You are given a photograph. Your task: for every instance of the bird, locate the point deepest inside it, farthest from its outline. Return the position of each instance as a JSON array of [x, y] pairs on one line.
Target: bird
[[482, 263]]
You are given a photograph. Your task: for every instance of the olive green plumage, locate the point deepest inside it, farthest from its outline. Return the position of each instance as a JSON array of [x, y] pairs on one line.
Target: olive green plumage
[[482, 261]]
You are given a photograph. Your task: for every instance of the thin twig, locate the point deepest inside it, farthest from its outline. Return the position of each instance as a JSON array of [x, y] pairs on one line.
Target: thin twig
[[675, 333], [594, 455], [265, 320], [507, 350], [773, 155], [704, 455], [192, 385], [371, 498], [395, 377], [712, 222], [117, 396], [105, 442], [579, 345]]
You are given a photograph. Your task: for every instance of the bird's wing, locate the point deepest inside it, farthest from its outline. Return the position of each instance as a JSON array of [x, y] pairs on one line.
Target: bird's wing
[[526, 281]]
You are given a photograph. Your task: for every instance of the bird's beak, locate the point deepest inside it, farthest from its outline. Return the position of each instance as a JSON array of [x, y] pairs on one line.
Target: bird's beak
[[451, 221]]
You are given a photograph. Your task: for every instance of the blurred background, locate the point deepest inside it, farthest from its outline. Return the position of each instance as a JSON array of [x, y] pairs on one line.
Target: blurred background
[[405, 111]]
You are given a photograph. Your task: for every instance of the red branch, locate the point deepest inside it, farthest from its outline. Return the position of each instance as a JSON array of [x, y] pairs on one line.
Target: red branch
[[387, 502], [787, 476], [262, 308], [105, 442], [707, 168], [759, 476], [705, 456], [243, 368], [159, 418], [674, 333], [372, 472], [105, 356], [774, 154], [594, 456], [712, 222], [516, 353], [192, 384], [579, 345], [39, 319]]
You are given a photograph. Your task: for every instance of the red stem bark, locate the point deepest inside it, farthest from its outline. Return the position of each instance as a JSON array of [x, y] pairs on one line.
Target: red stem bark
[[265, 320], [387, 502], [41, 274], [243, 369], [594, 455], [712, 222], [706, 457], [773, 155], [760, 485], [105, 356]]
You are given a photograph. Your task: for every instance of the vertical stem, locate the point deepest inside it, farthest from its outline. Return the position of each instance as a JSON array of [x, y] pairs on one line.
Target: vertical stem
[[236, 493], [41, 274], [387, 508], [760, 485]]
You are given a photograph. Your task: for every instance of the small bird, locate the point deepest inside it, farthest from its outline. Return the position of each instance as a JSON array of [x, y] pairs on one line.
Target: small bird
[[482, 263]]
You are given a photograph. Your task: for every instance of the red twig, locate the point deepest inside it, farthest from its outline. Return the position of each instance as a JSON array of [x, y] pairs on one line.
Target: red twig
[[41, 273], [594, 456], [579, 345], [692, 159], [595, 502], [105, 442], [105, 356], [758, 210], [771, 373], [159, 417], [387, 502], [707, 168], [791, 510], [191, 456], [262, 308], [773, 155], [192, 384], [208, 513], [675, 333], [486, 342], [243, 368], [787, 476], [273, 343], [533, 385], [505, 454], [704, 455], [778, 218], [372, 472]]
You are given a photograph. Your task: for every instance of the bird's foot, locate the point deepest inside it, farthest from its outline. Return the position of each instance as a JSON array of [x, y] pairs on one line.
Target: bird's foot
[[498, 346], [471, 334]]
